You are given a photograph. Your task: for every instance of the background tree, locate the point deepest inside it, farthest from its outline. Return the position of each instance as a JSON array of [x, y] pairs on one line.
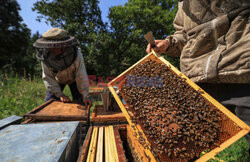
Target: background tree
[[33, 65], [14, 38], [128, 23], [109, 50]]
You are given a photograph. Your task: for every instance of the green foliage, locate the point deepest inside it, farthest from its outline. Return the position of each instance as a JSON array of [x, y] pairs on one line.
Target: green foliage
[[236, 152], [14, 38], [32, 65], [124, 44], [17, 53], [109, 50]]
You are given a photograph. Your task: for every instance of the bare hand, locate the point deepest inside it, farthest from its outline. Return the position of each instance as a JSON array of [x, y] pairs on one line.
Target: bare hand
[[161, 46], [65, 99]]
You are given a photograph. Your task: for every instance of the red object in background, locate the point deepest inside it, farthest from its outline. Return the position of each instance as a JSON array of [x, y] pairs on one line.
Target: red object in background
[[98, 81], [92, 79]]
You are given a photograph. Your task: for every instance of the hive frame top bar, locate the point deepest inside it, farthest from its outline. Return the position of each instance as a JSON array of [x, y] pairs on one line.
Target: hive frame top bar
[[245, 128]]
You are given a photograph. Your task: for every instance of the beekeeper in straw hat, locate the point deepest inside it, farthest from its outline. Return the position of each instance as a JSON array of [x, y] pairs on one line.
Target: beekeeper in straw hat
[[62, 64]]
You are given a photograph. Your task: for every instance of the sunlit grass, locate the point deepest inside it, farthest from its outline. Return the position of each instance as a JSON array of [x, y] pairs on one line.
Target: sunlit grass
[[18, 96]]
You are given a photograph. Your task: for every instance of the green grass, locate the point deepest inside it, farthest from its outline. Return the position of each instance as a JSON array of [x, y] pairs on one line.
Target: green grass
[[18, 96]]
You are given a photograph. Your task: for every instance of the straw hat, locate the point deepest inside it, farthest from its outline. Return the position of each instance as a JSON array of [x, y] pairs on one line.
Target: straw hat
[[55, 38]]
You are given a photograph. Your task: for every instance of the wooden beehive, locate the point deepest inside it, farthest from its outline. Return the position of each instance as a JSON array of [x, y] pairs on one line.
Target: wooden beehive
[[233, 126], [54, 110], [40, 142], [102, 144], [100, 116]]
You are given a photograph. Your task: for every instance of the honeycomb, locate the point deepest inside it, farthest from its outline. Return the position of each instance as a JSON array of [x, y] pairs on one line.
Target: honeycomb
[[177, 120]]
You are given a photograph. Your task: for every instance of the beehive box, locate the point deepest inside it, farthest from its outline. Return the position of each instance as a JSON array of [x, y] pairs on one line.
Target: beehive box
[[102, 144], [40, 142], [57, 112], [102, 117], [190, 121], [54, 110]]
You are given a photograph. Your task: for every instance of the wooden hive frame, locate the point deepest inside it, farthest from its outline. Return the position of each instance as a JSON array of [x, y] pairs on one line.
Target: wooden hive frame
[[49, 110], [102, 144], [99, 116], [120, 80], [136, 148]]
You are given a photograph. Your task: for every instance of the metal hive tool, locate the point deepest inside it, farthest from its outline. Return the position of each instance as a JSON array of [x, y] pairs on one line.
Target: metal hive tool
[[227, 126]]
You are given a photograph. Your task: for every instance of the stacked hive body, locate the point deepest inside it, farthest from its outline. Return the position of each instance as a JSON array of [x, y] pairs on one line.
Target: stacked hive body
[[40, 142], [171, 116], [56, 111], [102, 144], [102, 117], [108, 112]]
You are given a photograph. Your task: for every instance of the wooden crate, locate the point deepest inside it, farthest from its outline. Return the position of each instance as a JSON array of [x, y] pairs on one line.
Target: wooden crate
[[233, 125]]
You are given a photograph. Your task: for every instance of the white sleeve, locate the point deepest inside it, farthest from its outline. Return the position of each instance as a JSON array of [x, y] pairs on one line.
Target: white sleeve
[[81, 76], [50, 82]]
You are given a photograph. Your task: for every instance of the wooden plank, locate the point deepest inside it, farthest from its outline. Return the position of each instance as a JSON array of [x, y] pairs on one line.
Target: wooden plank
[[136, 148], [99, 154], [110, 146], [109, 118], [28, 121], [107, 144], [85, 146], [57, 117], [92, 147], [119, 146], [39, 107], [113, 145], [100, 116]]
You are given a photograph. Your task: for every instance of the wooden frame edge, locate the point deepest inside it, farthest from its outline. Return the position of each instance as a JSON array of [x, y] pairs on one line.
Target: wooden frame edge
[[224, 145]]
